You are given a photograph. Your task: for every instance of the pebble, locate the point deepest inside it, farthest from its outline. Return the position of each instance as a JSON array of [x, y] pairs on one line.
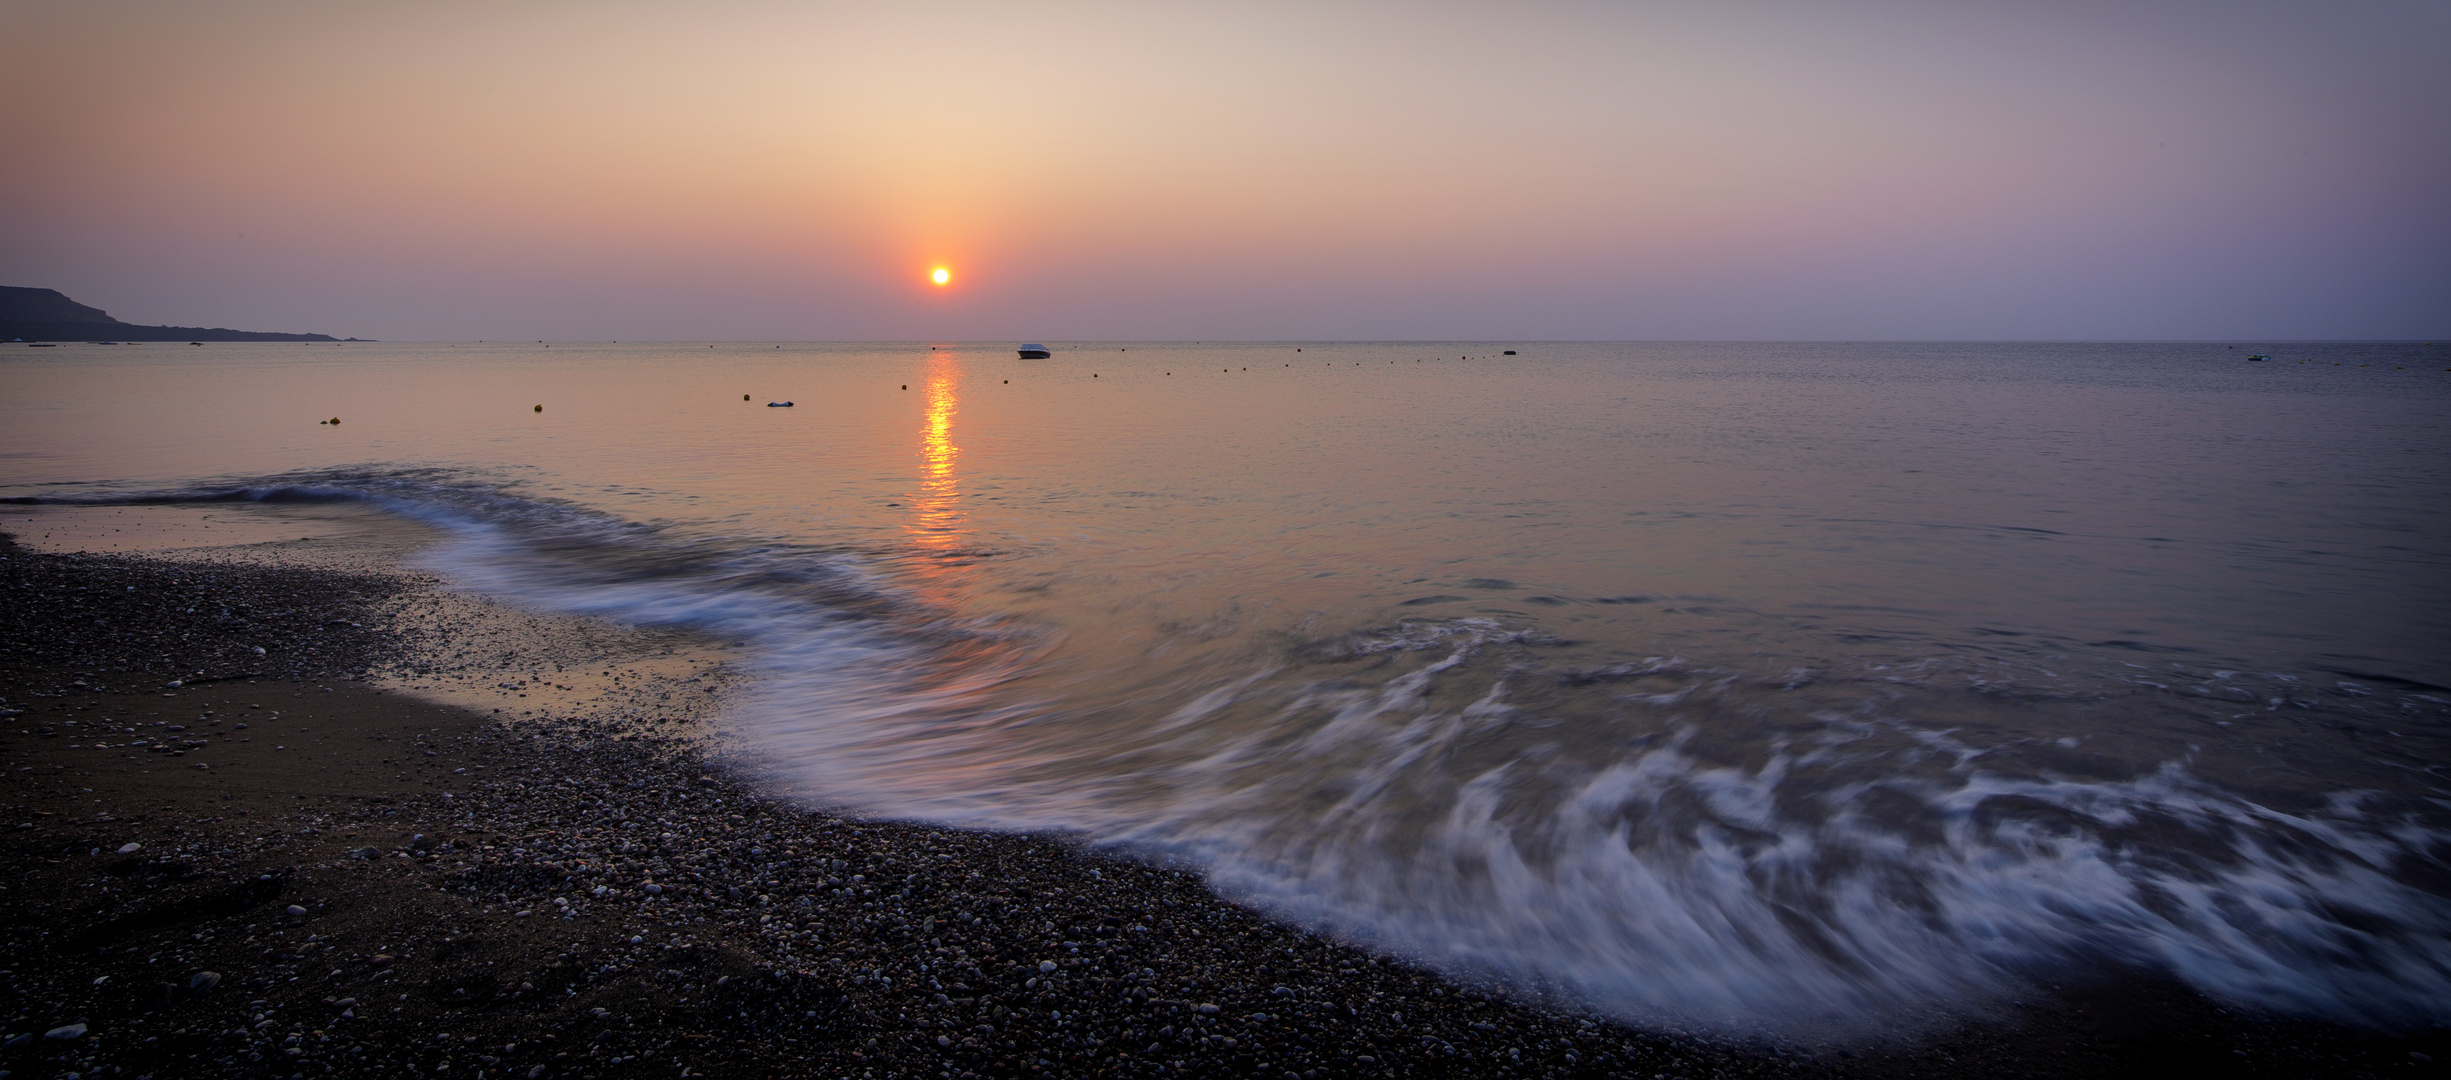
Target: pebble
[[836, 973], [130, 849], [203, 981], [68, 1031]]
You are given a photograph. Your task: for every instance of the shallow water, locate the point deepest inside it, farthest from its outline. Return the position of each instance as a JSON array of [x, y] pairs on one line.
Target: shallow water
[[1740, 686]]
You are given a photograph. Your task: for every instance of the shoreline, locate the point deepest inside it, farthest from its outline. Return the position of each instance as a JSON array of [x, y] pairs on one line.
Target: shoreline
[[566, 895]]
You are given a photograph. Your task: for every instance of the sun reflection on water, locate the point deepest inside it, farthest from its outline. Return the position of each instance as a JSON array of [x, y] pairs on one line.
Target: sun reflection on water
[[937, 522]]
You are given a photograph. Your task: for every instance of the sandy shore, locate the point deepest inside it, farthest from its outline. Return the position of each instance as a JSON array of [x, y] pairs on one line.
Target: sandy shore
[[273, 867]]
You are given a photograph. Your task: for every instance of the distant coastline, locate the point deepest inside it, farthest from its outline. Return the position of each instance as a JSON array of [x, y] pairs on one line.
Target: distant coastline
[[31, 315]]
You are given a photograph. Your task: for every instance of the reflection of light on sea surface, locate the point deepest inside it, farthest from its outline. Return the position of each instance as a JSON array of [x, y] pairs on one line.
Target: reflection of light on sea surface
[[938, 506]]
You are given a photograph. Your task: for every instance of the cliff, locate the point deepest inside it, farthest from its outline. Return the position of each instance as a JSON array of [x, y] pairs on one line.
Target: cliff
[[46, 315]]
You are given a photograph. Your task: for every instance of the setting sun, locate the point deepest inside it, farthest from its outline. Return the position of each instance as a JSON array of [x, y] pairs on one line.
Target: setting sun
[[942, 275]]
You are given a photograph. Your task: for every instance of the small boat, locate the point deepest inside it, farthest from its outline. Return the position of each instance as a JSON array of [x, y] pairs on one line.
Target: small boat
[[2258, 356], [1035, 352], [778, 404]]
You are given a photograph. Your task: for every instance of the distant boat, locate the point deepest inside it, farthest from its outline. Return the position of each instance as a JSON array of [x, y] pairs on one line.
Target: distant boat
[[1035, 352], [2258, 356], [778, 404]]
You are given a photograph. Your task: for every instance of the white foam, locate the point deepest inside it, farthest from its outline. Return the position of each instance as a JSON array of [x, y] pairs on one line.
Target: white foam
[[1856, 873]]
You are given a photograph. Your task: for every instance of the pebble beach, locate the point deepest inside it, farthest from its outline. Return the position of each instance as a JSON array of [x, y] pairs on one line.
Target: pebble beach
[[242, 863]]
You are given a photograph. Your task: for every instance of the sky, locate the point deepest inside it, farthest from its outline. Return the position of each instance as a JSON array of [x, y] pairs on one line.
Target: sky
[[1254, 171]]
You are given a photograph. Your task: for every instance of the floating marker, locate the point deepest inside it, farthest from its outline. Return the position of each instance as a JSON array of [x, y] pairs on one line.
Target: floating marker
[[540, 408], [744, 397]]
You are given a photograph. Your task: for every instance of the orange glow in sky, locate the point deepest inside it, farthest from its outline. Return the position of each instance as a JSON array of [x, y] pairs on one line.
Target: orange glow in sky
[[1669, 169]]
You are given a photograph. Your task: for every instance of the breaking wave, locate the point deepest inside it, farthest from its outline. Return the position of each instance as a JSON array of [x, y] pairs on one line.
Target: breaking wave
[[1673, 841]]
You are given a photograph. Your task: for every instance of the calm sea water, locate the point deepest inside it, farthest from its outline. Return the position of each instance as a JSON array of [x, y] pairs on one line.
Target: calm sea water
[[1731, 686]]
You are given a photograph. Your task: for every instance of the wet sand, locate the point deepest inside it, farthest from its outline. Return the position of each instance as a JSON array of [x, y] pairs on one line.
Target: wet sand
[[378, 881]]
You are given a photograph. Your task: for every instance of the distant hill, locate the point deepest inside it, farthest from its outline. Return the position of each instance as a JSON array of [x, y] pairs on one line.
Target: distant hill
[[46, 315]]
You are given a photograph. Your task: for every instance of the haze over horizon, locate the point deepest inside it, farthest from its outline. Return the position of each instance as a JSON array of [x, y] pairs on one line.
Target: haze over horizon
[[777, 171]]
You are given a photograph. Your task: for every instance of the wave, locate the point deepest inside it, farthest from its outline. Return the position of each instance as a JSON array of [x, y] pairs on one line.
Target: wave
[[1668, 841]]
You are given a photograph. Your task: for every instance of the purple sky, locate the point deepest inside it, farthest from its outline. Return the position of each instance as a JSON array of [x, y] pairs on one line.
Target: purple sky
[[1132, 171]]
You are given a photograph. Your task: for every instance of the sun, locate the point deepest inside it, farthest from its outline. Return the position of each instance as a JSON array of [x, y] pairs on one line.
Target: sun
[[941, 276]]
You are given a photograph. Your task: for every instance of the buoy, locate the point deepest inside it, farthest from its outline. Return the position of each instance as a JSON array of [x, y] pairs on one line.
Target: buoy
[[744, 397], [1008, 382], [336, 420], [540, 408], [906, 386]]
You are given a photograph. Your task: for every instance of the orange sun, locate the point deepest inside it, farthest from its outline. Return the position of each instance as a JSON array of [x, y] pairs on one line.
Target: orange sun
[[941, 276]]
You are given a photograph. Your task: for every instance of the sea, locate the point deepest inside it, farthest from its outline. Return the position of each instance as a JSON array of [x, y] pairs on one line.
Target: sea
[[1714, 687]]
